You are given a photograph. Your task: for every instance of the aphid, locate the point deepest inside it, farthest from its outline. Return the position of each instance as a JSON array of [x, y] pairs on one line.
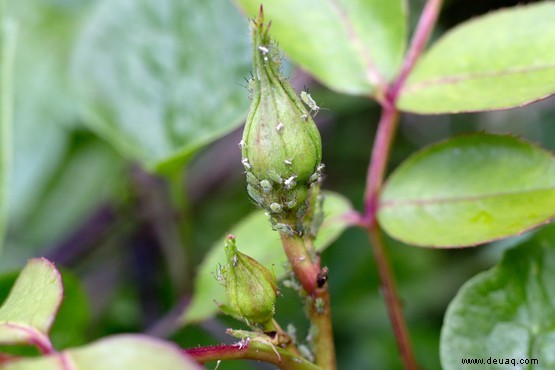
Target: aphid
[[275, 177], [284, 228], [252, 336], [264, 50], [276, 208], [220, 274], [320, 306], [306, 352], [290, 182], [307, 99], [246, 163], [266, 186], [242, 144], [254, 194], [291, 203], [251, 179], [315, 177]]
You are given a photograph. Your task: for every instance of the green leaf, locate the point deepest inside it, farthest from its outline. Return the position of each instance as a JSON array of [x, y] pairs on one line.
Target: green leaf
[[161, 79], [116, 352], [45, 106], [501, 60], [469, 190], [71, 329], [29, 310], [507, 312], [99, 172], [7, 51], [349, 46], [256, 239]]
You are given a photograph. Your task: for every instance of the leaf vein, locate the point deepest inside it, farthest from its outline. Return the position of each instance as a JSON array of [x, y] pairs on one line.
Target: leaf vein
[[457, 79], [460, 199]]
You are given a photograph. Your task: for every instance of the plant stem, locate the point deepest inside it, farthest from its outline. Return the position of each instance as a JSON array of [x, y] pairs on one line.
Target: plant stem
[[320, 317], [308, 272], [421, 35], [382, 145], [251, 350], [376, 173], [301, 262]]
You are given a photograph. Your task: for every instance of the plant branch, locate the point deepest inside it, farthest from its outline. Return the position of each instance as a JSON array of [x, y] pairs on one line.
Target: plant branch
[[319, 313], [313, 279], [421, 35], [251, 350], [387, 127], [394, 306]]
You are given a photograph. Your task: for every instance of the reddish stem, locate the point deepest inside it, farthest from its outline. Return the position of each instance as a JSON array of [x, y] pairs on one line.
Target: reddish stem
[[301, 262], [376, 173], [421, 35], [251, 350]]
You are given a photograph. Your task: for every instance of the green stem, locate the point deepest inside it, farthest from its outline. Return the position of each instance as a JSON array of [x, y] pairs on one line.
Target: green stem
[[308, 272]]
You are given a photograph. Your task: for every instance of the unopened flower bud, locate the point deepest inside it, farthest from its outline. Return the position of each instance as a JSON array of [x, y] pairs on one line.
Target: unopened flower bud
[[251, 289], [282, 145]]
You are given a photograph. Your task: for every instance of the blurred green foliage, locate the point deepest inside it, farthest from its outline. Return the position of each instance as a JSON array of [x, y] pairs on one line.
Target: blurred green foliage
[[81, 200]]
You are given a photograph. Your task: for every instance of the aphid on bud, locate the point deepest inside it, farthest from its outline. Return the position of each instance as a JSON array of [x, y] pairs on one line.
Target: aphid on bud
[[320, 167], [255, 195], [251, 179], [315, 177], [246, 163], [220, 274], [242, 144], [266, 186], [284, 228], [290, 182], [291, 203], [275, 177], [307, 99], [276, 208]]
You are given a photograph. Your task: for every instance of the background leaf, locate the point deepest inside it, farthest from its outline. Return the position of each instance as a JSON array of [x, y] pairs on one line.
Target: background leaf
[[507, 312], [71, 327], [160, 79], [117, 352], [31, 307], [256, 238], [7, 48], [90, 174], [500, 60], [45, 107], [360, 39], [469, 190]]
